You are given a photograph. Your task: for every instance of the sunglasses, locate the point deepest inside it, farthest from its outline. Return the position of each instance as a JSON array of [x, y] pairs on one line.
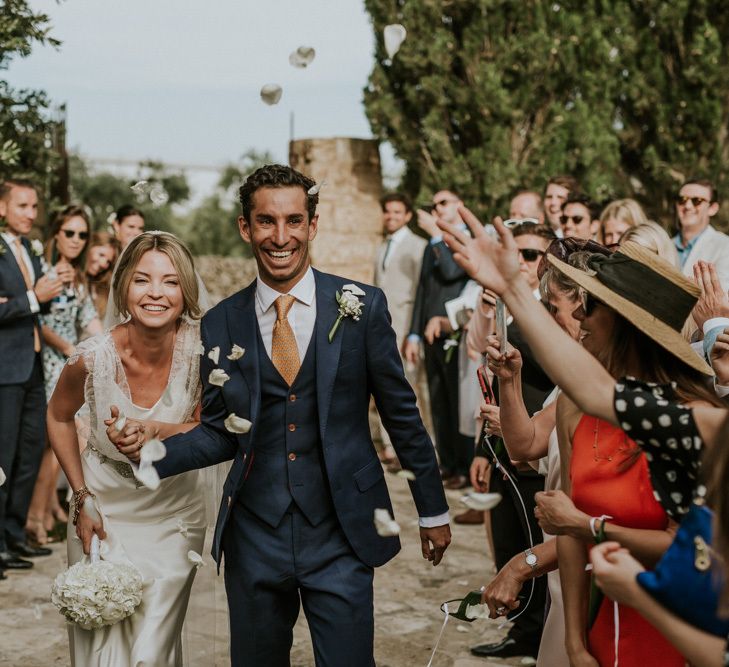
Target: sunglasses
[[576, 219], [589, 303], [530, 254], [695, 201], [517, 222], [70, 233], [443, 202]]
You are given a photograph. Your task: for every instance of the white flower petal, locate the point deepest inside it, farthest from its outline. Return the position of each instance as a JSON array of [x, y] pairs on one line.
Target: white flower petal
[[314, 189], [271, 93], [477, 611], [395, 35], [354, 289], [481, 501], [147, 475], [236, 424], [154, 450], [182, 528], [218, 377], [121, 421], [139, 188], [406, 474], [2, 477], [199, 348], [214, 354], [195, 558], [385, 525], [158, 195], [302, 57], [236, 353]]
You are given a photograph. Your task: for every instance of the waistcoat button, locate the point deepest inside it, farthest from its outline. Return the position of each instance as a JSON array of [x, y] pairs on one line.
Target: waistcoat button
[[292, 427], [292, 457]]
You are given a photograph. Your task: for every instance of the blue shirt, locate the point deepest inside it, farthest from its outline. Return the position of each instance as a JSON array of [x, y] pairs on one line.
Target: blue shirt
[[685, 250]]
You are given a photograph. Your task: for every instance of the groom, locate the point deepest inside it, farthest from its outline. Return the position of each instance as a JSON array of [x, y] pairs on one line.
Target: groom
[[296, 520]]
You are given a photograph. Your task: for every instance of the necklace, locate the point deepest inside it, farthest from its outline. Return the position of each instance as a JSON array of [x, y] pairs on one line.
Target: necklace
[[596, 452]]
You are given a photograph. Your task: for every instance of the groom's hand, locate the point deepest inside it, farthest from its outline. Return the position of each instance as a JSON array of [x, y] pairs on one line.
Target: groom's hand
[[434, 542]]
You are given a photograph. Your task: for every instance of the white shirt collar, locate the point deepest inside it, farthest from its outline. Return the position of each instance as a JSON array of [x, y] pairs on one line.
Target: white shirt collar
[[303, 291], [399, 234], [10, 237]]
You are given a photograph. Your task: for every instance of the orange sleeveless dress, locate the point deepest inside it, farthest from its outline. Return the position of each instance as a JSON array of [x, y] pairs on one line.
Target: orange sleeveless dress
[[600, 485]]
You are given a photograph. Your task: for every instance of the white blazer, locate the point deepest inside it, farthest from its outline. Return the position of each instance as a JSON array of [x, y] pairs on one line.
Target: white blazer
[[712, 246]]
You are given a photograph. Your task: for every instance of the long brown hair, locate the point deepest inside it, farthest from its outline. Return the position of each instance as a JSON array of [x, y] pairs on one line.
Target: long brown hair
[[100, 284], [51, 251]]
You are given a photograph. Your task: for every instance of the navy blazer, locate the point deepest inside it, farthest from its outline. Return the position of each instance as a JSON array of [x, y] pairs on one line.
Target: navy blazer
[[362, 361], [16, 318]]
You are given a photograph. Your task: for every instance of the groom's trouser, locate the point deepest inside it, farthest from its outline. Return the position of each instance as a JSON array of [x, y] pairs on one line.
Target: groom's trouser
[[269, 570]]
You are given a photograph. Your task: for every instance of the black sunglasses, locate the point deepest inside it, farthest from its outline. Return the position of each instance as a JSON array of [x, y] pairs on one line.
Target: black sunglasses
[[577, 219], [696, 201], [589, 303], [70, 233], [443, 202], [530, 254]]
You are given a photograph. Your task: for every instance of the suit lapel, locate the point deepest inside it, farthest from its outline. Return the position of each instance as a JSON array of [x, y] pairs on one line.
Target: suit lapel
[[243, 331], [13, 262], [327, 354]]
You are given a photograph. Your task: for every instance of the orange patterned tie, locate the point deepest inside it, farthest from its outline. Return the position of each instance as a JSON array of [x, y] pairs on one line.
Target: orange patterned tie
[[28, 284], [284, 351]]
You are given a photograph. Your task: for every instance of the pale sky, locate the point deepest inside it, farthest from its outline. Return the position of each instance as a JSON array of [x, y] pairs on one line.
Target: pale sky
[[179, 80]]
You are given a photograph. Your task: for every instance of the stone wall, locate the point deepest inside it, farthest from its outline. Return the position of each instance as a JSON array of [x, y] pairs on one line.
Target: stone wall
[[350, 221], [224, 276]]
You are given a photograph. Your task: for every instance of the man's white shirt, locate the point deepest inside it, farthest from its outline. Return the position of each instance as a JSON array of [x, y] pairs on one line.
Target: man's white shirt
[[25, 258]]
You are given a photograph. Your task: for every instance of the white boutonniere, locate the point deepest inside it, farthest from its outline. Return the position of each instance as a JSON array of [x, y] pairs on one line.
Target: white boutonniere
[[37, 247], [349, 306]]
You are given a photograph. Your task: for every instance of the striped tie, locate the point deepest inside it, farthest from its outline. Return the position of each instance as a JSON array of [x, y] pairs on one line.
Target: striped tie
[[284, 351]]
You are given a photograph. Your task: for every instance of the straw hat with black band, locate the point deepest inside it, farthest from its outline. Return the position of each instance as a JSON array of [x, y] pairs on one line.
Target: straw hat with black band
[[647, 291]]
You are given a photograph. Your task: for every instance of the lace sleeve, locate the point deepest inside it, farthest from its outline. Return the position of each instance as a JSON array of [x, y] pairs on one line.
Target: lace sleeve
[[666, 432], [86, 350]]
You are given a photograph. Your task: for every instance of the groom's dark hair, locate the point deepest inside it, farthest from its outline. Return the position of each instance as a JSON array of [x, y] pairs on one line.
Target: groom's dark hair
[[276, 176]]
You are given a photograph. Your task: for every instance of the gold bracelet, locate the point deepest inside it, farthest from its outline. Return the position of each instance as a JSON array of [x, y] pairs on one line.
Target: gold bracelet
[[78, 499]]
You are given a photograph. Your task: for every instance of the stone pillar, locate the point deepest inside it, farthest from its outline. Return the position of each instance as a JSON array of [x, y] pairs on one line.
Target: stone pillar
[[350, 220]]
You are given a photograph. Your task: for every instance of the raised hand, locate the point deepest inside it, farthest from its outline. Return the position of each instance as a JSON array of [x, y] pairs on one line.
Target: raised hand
[[720, 358], [428, 223], [492, 264], [503, 366], [713, 301], [47, 289]]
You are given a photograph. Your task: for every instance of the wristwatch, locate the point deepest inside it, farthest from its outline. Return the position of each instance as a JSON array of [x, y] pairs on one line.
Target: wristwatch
[[531, 559]]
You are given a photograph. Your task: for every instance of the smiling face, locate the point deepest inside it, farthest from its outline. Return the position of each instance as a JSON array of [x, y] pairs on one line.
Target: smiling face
[[395, 216], [597, 325], [554, 198], [531, 251], [72, 237], [695, 208], [154, 296], [562, 306], [128, 229], [99, 259], [279, 232], [445, 206], [577, 222], [19, 208], [612, 230]]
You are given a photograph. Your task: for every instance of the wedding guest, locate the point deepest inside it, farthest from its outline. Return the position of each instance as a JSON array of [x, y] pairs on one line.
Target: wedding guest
[[651, 235], [556, 191], [22, 397], [100, 260], [441, 279], [617, 218], [697, 239], [397, 270], [579, 217], [71, 314], [128, 223], [527, 204]]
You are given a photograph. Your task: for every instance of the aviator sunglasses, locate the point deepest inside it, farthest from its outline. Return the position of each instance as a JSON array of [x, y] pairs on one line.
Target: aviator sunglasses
[[70, 233], [695, 201]]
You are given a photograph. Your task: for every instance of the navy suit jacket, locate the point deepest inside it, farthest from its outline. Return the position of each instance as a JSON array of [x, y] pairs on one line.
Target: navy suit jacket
[[16, 318], [362, 361]]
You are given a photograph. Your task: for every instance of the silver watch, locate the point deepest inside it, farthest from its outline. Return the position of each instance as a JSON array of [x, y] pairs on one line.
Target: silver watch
[[531, 559]]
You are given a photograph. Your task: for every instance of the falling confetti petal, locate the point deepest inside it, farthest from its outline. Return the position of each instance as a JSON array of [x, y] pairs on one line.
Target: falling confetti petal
[[147, 475], [158, 195], [271, 93], [395, 35], [314, 189], [121, 421], [182, 528], [152, 451], [37, 613], [236, 424], [477, 611], [302, 57], [218, 377], [385, 525], [139, 188], [195, 558], [406, 474], [2, 477], [481, 501], [353, 289], [528, 660], [199, 349], [214, 354], [236, 353], [461, 628]]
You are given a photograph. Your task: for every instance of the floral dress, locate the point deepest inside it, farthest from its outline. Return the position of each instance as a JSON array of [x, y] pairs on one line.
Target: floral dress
[[71, 313]]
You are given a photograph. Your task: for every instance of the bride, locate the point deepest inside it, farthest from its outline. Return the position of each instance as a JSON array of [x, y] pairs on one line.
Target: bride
[[147, 367]]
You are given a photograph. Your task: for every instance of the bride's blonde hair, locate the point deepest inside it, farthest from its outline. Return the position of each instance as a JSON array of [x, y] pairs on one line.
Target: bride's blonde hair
[[181, 259]]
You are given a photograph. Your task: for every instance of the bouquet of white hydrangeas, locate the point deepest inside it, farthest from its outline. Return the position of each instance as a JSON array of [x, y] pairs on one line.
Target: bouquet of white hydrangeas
[[94, 593]]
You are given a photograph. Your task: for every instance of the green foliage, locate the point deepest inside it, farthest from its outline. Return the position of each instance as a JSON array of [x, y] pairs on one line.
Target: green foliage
[[489, 96]]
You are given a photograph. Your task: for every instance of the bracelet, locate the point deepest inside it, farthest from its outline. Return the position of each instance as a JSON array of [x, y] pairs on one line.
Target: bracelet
[[599, 534], [78, 499]]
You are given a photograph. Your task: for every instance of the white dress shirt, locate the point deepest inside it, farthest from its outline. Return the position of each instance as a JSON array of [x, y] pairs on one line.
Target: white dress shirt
[[302, 318], [25, 258], [393, 239]]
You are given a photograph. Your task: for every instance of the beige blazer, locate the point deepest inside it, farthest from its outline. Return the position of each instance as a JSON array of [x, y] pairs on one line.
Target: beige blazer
[[712, 246], [399, 279]]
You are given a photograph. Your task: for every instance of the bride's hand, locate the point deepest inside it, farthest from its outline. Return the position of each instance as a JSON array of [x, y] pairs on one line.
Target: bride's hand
[[86, 527], [130, 439], [492, 264]]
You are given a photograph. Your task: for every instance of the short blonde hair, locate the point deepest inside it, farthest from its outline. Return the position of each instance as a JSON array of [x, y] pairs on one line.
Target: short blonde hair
[[181, 259], [652, 236], [628, 211]]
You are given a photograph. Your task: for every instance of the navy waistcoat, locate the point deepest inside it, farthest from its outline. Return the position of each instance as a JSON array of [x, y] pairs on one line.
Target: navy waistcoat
[[288, 465]]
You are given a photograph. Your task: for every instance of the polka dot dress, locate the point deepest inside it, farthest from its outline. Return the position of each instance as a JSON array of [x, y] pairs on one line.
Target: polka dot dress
[[667, 434]]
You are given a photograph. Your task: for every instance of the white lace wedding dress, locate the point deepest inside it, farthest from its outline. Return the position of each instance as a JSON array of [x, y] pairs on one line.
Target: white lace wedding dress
[[152, 530]]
